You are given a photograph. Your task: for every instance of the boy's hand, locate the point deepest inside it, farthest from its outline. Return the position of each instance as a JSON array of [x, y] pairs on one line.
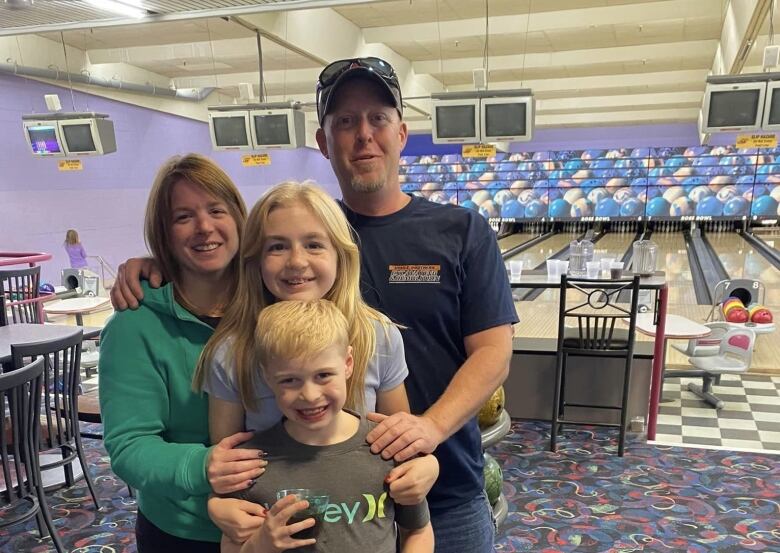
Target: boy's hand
[[126, 291], [238, 519], [401, 435], [411, 481], [229, 469], [275, 535]]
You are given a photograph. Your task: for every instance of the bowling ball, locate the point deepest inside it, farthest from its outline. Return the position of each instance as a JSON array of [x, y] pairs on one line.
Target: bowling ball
[[623, 194], [439, 197], [675, 161], [640, 182], [737, 315], [632, 207], [615, 183], [590, 184], [488, 209], [709, 207], [673, 192], [736, 207], [566, 183], [681, 207], [46, 288], [517, 186], [490, 412], [430, 187], [480, 196], [469, 205], [581, 208], [573, 194], [409, 187], [527, 196], [597, 194], [494, 478], [535, 209], [726, 193], [649, 193], [549, 195], [574, 165], [657, 172], [559, 208], [474, 185], [764, 206], [487, 177], [775, 193], [640, 153], [602, 164], [607, 207], [502, 196], [658, 207], [762, 316], [699, 193], [512, 209], [592, 154]]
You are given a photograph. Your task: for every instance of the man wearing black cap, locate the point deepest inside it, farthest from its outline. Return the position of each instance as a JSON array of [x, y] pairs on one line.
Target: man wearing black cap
[[438, 271]]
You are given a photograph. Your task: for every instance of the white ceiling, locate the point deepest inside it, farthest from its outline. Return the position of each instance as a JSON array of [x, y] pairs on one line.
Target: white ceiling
[[588, 62]]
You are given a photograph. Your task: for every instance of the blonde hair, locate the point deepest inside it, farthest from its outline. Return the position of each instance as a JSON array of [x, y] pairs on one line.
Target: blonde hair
[[294, 329], [206, 175], [252, 296], [71, 237]]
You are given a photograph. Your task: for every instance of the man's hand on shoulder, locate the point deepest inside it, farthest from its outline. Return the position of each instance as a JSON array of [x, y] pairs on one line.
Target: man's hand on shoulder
[[126, 291], [401, 436]]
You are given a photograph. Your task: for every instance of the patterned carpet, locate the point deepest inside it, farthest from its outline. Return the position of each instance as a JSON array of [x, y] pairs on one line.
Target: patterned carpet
[[581, 499]]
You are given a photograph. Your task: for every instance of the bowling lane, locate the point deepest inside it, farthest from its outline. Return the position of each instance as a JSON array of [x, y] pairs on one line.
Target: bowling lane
[[509, 242], [742, 261], [537, 254], [673, 259]]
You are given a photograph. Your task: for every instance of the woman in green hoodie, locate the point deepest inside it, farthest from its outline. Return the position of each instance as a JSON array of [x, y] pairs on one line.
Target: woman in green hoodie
[[156, 427]]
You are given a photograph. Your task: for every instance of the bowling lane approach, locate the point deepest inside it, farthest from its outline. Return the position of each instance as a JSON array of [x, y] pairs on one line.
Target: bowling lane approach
[[509, 242], [673, 259], [742, 261]]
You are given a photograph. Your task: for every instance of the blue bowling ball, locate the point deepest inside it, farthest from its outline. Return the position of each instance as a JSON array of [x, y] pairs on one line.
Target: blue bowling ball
[[705, 161], [559, 208], [590, 184], [409, 187], [657, 172], [574, 165], [549, 195], [513, 209], [640, 153], [736, 207], [710, 206], [534, 209], [640, 181], [657, 207], [675, 161], [745, 180], [602, 164], [607, 207], [592, 154], [469, 204], [632, 207], [450, 186], [764, 206]]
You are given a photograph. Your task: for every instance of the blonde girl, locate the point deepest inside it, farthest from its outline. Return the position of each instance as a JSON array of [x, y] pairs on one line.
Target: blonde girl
[[297, 245]]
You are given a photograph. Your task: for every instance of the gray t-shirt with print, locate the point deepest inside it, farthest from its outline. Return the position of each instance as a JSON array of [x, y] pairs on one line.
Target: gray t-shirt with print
[[360, 512]]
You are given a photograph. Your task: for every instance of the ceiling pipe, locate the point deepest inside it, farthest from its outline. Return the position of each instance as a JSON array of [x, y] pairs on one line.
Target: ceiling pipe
[[192, 94]]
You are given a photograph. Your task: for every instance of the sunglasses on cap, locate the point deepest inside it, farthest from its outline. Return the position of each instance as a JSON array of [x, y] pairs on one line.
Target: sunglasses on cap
[[378, 68]]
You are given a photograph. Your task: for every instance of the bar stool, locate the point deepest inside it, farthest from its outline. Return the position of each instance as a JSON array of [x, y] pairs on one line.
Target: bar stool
[[594, 314], [20, 402], [59, 414]]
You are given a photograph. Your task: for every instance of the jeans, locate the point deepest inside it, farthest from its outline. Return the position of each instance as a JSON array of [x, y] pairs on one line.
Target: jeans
[[150, 539], [465, 528]]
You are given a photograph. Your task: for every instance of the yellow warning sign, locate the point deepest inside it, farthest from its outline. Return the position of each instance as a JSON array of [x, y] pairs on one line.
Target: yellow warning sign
[[70, 165], [253, 160], [478, 150], [756, 141]]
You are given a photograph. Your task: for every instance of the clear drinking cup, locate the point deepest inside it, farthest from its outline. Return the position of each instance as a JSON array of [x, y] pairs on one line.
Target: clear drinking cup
[[553, 270], [516, 269], [616, 270], [594, 269]]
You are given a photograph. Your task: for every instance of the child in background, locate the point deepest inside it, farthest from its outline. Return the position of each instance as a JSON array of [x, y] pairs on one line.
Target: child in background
[[76, 252], [305, 356]]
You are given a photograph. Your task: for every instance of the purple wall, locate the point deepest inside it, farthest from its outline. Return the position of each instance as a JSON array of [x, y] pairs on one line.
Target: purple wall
[[105, 202]]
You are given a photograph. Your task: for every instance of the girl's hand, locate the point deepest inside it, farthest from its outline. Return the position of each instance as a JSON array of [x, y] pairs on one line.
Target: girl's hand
[[229, 469], [238, 519], [411, 481], [275, 535]]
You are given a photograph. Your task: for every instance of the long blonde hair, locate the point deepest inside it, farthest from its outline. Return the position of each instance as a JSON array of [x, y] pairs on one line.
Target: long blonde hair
[[206, 175], [71, 237], [237, 326]]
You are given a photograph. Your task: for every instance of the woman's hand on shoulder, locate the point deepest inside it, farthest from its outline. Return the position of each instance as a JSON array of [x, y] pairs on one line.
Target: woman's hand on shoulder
[[238, 519], [231, 469], [411, 481], [126, 291]]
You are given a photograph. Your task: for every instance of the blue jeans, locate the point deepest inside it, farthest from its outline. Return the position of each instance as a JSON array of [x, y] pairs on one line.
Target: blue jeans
[[466, 528]]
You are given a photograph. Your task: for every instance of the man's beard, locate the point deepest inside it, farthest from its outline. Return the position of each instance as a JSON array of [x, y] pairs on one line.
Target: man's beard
[[359, 184]]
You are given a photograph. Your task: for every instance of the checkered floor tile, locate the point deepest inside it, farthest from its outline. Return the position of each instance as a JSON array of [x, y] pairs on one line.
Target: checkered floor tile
[[750, 418]]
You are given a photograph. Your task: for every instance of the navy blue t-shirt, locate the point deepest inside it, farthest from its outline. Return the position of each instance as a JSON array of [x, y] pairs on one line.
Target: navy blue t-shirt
[[437, 270]]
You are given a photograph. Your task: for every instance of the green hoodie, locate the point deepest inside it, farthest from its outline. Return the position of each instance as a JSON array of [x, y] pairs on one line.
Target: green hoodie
[[155, 426]]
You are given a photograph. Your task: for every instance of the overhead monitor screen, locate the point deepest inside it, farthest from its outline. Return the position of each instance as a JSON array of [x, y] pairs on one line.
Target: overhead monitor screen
[[44, 140], [79, 137], [774, 107], [230, 131], [272, 129], [505, 119], [456, 121], [733, 108]]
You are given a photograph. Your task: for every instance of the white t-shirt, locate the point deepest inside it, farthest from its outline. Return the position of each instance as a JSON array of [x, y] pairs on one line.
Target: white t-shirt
[[386, 370]]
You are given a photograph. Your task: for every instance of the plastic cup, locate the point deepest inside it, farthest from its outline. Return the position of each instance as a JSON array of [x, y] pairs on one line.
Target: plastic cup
[[516, 268], [563, 267], [318, 503], [552, 269], [593, 268], [606, 263], [616, 270]]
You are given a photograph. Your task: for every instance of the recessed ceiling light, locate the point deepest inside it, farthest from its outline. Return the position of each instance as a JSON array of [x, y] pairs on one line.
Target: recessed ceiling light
[[130, 8]]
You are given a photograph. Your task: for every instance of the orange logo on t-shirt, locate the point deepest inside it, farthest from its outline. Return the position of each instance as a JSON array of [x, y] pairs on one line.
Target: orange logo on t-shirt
[[415, 274]]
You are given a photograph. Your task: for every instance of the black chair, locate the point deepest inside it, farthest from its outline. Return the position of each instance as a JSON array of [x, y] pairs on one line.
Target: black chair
[[20, 401], [19, 288], [59, 414], [594, 312]]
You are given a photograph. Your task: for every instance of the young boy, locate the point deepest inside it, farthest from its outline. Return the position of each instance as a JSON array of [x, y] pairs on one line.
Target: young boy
[[304, 351]]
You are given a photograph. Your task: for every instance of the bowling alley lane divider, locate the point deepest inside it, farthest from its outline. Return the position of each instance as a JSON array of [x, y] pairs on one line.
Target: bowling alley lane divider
[[511, 252], [771, 254], [705, 272]]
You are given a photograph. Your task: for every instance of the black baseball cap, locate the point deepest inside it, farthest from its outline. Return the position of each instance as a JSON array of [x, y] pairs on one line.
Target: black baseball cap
[[336, 73]]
